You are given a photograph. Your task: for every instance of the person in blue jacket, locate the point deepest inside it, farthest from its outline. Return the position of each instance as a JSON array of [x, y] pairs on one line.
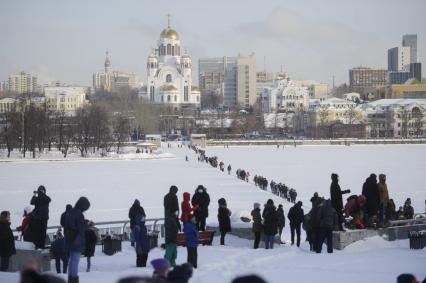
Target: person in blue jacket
[[191, 239], [75, 229], [59, 252], [141, 240]]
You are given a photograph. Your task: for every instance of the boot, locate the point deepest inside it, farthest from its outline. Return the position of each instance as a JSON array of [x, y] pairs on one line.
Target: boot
[[138, 261], [144, 258], [73, 279]]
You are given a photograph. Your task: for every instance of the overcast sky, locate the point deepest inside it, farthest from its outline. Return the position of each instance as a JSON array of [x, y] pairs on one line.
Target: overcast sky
[[311, 39]]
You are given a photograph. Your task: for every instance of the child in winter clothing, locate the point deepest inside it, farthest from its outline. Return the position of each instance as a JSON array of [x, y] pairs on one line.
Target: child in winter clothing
[[25, 225], [142, 241], [171, 232], [186, 207], [191, 239], [7, 241], [224, 220], [59, 252], [91, 240], [257, 224]]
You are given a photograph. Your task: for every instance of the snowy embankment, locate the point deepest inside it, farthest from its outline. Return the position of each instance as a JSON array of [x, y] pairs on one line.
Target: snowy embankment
[[373, 260], [127, 153]]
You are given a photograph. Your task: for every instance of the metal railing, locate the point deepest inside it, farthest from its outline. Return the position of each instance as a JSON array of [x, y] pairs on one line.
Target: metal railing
[[118, 227], [418, 218]]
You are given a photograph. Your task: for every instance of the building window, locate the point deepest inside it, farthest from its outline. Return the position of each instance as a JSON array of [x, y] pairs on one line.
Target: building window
[[169, 78], [169, 49], [175, 98], [168, 98], [185, 93]]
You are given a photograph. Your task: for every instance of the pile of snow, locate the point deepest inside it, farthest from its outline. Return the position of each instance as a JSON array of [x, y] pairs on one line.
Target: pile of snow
[[379, 261]]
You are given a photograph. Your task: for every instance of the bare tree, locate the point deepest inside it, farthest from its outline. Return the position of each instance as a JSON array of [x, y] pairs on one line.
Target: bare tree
[[351, 116], [121, 126]]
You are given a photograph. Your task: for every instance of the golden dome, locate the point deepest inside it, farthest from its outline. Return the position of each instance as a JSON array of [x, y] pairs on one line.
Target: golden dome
[[169, 33]]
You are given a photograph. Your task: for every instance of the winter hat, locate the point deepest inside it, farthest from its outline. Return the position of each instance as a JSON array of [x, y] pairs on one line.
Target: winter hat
[[334, 176], [280, 206], [160, 265], [256, 205], [406, 278], [222, 201], [299, 203], [249, 279], [200, 188], [270, 202], [173, 189], [28, 209], [41, 189]]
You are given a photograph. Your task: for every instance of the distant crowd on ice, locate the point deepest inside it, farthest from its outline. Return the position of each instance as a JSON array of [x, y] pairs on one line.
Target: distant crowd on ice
[[278, 189]]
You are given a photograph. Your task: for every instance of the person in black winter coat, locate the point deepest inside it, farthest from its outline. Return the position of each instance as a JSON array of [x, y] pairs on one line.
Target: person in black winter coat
[[257, 224], [40, 216], [202, 199], [171, 203], [91, 238], [296, 217], [7, 241], [68, 207], [133, 211], [171, 232], [371, 192], [328, 220], [75, 236], [224, 217], [59, 252], [336, 198], [280, 220], [270, 223]]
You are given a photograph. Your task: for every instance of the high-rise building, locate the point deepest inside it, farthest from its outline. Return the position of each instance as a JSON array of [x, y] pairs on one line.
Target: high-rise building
[[410, 40], [398, 57], [235, 76], [416, 71], [109, 80], [264, 80], [22, 83], [246, 82], [4, 86], [361, 79], [411, 71]]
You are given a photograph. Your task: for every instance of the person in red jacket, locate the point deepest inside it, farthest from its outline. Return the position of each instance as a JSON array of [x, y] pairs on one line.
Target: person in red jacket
[[24, 228], [186, 207]]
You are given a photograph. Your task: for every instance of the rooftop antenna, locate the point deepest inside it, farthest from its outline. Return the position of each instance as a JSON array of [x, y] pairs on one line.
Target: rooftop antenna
[[168, 19]]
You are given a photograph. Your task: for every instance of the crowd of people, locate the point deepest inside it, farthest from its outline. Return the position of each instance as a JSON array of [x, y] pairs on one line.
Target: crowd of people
[[278, 189]]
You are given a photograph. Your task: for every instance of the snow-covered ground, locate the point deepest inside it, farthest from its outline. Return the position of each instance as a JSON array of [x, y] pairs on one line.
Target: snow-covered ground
[[112, 185], [373, 260]]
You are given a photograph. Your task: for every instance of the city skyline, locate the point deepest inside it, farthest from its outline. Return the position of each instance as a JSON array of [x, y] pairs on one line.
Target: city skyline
[[311, 40]]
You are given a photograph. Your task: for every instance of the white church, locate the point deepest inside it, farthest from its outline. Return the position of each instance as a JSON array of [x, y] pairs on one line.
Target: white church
[[170, 73]]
